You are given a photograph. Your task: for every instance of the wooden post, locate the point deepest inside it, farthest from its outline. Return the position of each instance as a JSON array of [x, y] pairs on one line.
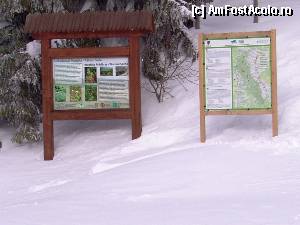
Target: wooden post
[[274, 84], [47, 101], [201, 89], [197, 18], [135, 86]]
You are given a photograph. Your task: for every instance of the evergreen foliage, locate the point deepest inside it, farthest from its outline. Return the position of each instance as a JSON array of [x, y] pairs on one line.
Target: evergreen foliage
[[169, 52], [12, 38], [15, 11], [20, 95], [78, 43]]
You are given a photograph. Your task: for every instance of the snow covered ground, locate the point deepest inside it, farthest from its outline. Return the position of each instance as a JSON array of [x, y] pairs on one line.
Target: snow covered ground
[[241, 176]]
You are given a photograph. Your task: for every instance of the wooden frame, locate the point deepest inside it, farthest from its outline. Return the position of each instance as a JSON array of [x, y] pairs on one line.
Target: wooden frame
[[273, 111], [49, 114], [90, 25]]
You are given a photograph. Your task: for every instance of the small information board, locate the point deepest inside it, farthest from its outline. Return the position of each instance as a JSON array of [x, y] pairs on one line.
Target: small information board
[[91, 83], [238, 75]]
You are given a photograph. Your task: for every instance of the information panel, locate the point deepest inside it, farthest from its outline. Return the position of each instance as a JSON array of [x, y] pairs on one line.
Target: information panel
[[238, 73], [91, 83]]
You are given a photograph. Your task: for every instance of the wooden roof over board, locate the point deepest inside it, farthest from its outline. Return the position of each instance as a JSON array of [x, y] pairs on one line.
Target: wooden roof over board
[[90, 22]]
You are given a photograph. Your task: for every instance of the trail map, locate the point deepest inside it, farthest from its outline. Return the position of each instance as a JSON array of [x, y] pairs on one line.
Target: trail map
[[238, 73]]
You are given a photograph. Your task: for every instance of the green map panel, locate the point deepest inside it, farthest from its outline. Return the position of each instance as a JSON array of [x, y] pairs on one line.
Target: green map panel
[[251, 73]]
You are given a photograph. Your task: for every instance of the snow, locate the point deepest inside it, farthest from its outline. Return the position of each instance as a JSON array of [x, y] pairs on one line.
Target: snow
[[89, 4], [3, 24], [34, 48], [241, 176]]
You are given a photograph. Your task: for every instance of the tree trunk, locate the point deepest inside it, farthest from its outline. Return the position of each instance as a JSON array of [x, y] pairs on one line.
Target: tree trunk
[[255, 4], [197, 19]]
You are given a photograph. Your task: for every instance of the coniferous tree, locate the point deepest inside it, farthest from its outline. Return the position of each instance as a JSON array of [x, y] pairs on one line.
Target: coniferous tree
[[255, 4], [188, 5], [20, 97], [168, 52]]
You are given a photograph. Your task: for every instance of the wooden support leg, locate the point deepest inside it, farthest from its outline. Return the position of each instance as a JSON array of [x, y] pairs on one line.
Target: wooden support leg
[[202, 127], [48, 130], [48, 139], [201, 90], [47, 101], [136, 127], [135, 88], [274, 85], [275, 124]]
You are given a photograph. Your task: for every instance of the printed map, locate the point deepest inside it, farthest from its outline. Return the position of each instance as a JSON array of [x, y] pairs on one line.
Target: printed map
[[251, 77], [238, 74]]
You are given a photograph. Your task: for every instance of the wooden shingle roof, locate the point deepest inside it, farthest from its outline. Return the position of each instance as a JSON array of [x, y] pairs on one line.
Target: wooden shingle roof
[[120, 21]]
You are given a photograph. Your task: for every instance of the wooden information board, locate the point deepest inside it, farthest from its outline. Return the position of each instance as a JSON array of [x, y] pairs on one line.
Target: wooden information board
[[90, 83], [238, 75]]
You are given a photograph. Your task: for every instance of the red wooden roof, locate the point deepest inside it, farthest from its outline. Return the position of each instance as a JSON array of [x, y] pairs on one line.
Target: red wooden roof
[[120, 21]]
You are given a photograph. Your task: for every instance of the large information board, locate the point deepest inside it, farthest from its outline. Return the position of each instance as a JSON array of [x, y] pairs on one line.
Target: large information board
[[238, 73], [91, 83]]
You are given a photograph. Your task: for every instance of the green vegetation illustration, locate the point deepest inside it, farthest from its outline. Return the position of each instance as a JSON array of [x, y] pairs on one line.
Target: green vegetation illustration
[[106, 71], [60, 93], [90, 74], [91, 93], [75, 93]]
